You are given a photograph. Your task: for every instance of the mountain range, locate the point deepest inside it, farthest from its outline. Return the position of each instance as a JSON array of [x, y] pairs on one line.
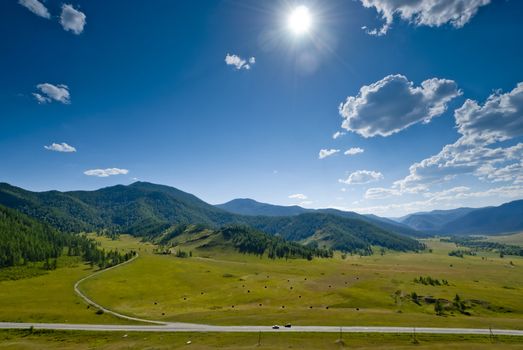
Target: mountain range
[[505, 218], [246, 206], [148, 210]]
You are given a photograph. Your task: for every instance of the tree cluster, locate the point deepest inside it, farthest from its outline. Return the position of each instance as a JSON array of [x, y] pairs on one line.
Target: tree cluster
[[477, 244], [250, 241], [429, 281]]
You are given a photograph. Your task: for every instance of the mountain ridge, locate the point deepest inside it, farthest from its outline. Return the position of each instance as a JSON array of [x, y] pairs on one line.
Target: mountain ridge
[[146, 209], [248, 206], [505, 218]]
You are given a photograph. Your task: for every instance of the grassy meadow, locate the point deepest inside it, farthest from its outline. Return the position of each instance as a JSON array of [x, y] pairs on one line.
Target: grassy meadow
[[514, 239], [30, 294], [219, 286], [223, 287]]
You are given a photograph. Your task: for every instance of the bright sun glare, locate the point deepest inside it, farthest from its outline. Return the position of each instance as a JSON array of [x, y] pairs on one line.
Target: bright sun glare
[[300, 20]]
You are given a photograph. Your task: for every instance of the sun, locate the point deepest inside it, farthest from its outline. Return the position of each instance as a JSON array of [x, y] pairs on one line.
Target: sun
[[300, 20]]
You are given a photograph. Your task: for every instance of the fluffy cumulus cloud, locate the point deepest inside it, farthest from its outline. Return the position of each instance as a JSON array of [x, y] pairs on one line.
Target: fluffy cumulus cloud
[[324, 153], [394, 103], [362, 177], [477, 152], [35, 7], [338, 134], [353, 151], [432, 13], [300, 196], [49, 92], [72, 19], [106, 172], [499, 118], [239, 63], [60, 147]]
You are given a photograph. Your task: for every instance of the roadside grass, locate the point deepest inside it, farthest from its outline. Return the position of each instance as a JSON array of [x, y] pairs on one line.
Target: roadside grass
[[25, 339], [219, 286]]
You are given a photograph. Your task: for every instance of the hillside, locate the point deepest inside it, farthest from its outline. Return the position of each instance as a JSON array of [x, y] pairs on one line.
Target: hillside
[[334, 231], [147, 210], [23, 239], [140, 208], [239, 238], [245, 206]]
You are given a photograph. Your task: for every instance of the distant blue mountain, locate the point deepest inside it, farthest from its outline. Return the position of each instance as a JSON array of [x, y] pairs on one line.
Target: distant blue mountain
[[505, 218]]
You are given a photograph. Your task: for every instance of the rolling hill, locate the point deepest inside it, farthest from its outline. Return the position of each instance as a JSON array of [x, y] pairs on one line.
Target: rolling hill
[[147, 210], [245, 206]]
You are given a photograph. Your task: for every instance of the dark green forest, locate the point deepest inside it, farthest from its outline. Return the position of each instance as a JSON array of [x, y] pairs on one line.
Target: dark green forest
[[24, 240]]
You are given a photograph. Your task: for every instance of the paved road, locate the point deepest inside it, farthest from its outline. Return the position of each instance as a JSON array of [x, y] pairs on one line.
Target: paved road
[[188, 327], [108, 311]]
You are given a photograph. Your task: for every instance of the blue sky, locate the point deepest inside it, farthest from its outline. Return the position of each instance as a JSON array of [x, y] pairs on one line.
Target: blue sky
[[132, 90]]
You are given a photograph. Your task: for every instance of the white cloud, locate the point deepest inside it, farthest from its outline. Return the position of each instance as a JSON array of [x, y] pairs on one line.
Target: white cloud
[[510, 173], [60, 147], [499, 119], [49, 92], [298, 196], [305, 203], [497, 192], [361, 177], [338, 134], [394, 103], [35, 7], [238, 62], [324, 153], [475, 153], [106, 172], [353, 151], [40, 98], [72, 19], [432, 13], [380, 193], [448, 199]]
